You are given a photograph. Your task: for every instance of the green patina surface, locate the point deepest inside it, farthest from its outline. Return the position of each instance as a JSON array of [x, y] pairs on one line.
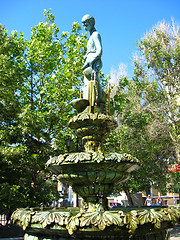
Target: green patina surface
[[73, 219], [93, 175]]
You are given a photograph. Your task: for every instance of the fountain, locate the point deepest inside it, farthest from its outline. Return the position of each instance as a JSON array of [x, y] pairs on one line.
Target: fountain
[[93, 174]]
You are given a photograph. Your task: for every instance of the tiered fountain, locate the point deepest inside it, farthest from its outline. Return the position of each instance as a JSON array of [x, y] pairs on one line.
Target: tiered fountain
[[93, 174]]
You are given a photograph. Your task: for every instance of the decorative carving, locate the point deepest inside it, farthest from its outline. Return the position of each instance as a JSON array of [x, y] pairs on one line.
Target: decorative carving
[[75, 220], [96, 157], [96, 175]]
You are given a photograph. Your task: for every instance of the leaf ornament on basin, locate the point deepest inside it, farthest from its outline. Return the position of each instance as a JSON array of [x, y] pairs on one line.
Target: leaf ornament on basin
[[47, 218], [23, 216], [171, 214], [101, 219], [132, 221], [151, 216], [72, 223]]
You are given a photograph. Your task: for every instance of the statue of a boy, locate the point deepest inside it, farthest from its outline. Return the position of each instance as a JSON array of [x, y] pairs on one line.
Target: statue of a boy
[[93, 61]]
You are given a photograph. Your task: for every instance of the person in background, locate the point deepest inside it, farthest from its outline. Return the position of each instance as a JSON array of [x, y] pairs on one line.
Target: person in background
[[148, 201], [158, 203], [8, 217], [153, 202]]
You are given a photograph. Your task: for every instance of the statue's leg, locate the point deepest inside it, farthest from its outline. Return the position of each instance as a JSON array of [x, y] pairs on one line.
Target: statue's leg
[[99, 90], [85, 88]]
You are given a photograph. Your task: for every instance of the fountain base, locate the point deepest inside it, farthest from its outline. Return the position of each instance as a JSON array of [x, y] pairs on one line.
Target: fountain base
[[72, 223]]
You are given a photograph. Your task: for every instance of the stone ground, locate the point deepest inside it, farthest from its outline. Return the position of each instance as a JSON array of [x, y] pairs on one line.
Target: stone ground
[[175, 233]]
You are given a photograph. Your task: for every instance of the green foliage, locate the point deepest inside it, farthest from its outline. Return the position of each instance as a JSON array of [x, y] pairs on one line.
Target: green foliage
[[147, 109], [174, 179], [38, 79]]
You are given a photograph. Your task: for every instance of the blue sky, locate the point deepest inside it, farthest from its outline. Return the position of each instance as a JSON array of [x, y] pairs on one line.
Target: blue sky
[[120, 23]]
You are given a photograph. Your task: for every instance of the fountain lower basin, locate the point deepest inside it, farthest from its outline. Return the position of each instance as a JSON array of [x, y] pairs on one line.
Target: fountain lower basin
[[72, 223]]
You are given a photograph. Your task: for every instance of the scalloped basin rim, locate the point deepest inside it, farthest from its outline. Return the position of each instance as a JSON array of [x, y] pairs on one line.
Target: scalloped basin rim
[[84, 157], [82, 119], [73, 221]]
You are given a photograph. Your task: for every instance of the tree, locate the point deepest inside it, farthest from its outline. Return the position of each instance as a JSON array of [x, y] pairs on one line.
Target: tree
[[11, 78], [44, 72], [161, 52], [147, 108]]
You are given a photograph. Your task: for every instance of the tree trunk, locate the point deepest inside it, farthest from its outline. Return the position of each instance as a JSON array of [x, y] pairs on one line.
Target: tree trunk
[[129, 197]]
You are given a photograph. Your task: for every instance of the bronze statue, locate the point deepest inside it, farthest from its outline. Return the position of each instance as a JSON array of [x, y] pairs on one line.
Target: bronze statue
[[93, 61]]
